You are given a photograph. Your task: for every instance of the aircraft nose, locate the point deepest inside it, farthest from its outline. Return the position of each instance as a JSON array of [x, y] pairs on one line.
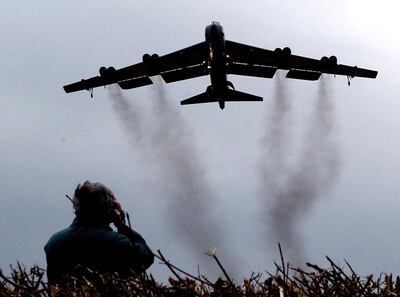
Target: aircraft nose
[[211, 32]]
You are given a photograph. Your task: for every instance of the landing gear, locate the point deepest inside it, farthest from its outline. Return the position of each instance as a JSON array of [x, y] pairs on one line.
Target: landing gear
[[348, 80]]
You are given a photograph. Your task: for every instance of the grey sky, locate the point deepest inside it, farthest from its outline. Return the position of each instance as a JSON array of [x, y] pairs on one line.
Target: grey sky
[[51, 141]]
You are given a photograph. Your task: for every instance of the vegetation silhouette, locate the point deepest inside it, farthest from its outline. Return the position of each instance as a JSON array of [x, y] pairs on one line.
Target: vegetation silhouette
[[286, 281]]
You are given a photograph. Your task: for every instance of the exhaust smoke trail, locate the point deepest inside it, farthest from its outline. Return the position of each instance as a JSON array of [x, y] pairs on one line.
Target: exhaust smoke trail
[[168, 143], [276, 141], [183, 176], [131, 117], [292, 193]]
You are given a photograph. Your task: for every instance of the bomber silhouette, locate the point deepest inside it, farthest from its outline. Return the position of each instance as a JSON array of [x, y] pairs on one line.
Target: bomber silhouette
[[218, 57]]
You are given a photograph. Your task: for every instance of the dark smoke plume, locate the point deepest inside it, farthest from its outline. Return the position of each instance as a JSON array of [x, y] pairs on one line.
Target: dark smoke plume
[[276, 141], [131, 116], [168, 145], [191, 197], [290, 193]]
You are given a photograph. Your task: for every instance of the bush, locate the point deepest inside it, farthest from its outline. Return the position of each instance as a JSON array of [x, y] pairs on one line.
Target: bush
[[286, 281]]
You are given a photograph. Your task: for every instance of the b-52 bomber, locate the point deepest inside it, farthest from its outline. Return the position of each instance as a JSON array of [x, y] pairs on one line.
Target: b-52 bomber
[[218, 57]]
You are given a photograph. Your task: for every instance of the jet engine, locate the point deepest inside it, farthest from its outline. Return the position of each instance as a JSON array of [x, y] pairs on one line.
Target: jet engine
[[152, 64], [328, 64], [325, 60], [103, 71], [286, 52], [107, 73], [111, 70], [146, 58], [282, 57], [278, 51]]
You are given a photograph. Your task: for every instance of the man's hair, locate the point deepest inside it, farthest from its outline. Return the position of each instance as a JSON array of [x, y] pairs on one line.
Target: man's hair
[[93, 203]]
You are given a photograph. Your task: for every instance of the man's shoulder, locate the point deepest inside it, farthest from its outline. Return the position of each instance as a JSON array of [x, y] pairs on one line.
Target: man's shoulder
[[80, 235], [57, 237]]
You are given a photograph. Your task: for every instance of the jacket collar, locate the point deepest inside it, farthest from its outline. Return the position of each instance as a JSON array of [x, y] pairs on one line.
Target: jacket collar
[[82, 223]]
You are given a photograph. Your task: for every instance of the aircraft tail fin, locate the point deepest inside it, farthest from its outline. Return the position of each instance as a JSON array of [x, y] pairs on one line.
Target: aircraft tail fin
[[234, 95], [201, 98]]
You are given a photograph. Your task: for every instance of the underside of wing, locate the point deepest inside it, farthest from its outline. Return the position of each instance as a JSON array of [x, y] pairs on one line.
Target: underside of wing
[[85, 84], [184, 73], [245, 54], [253, 61], [183, 64], [251, 70]]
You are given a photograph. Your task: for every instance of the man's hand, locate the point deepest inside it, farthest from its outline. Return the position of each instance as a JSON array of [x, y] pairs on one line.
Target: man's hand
[[119, 215]]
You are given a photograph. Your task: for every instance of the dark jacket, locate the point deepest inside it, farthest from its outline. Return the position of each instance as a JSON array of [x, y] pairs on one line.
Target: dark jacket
[[96, 247]]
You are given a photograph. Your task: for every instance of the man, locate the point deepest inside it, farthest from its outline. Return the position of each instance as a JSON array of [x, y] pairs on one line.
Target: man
[[90, 241]]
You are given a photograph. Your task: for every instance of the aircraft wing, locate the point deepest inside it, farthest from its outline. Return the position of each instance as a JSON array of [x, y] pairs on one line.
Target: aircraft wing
[[253, 61], [183, 64]]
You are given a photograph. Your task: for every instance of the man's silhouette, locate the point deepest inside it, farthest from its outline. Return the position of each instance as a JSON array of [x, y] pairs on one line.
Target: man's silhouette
[[90, 241]]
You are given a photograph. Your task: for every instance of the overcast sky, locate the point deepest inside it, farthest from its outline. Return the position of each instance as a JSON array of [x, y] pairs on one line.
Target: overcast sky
[[51, 141]]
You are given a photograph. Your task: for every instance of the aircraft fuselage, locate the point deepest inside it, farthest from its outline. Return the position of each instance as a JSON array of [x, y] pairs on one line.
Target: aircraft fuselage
[[216, 62], [217, 58]]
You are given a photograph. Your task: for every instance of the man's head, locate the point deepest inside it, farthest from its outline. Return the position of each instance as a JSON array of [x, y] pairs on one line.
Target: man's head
[[94, 203]]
